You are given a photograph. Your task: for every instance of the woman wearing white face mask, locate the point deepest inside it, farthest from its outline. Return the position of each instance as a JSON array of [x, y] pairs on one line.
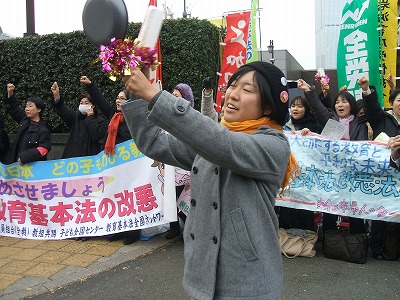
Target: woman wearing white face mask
[[87, 128]]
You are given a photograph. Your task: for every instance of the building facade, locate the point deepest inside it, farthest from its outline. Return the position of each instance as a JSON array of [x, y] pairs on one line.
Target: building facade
[[327, 25]]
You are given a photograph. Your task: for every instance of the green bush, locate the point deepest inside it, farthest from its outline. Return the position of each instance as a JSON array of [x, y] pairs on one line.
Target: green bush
[[189, 47]]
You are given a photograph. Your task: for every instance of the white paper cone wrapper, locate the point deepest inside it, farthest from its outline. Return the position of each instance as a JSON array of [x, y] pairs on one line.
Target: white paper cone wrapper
[[151, 27], [170, 213]]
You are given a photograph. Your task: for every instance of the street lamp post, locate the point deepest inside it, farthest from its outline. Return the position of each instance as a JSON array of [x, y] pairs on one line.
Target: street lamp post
[[271, 50], [30, 18], [184, 15]]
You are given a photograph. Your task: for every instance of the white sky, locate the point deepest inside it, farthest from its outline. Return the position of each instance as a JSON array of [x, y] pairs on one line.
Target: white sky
[[283, 21]]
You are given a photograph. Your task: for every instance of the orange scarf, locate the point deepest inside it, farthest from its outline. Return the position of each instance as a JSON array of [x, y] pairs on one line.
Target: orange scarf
[[117, 118], [250, 126]]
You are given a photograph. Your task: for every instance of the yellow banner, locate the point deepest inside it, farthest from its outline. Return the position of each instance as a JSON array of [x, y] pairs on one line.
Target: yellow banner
[[389, 44], [220, 23]]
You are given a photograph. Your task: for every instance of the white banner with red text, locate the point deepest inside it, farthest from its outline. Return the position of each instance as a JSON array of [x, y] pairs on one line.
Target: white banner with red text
[[84, 196]]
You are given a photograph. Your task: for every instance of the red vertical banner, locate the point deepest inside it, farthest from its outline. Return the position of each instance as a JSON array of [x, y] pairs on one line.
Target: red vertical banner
[[156, 76], [234, 56]]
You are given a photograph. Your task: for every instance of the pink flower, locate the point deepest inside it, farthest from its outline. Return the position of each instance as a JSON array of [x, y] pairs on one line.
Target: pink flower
[[122, 54]]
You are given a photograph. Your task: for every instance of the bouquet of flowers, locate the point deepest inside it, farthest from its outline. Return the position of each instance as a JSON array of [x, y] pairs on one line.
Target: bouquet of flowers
[[120, 55], [321, 76]]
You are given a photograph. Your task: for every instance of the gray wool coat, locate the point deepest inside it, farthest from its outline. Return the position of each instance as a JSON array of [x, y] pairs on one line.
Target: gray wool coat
[[231, 233]]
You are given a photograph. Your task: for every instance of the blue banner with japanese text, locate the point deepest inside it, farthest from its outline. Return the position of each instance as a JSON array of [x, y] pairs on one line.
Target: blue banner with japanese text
[[348, 178]]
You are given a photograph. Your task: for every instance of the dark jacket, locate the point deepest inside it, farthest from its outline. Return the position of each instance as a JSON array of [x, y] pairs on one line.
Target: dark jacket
[[380, 120], [327, 100], [392, 164], [85, 132], [358, 130], [306, 122], [35, 135], [108, 110]]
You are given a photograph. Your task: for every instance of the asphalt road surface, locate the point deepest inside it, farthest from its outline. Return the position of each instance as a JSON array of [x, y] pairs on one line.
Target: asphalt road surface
[[159, 276]]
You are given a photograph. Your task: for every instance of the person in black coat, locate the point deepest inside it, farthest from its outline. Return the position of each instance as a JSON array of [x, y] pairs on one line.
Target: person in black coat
[[117, 132], [389, 123], [33, 139], [343, 110], [112, 113], [301, 119], [394, 144], [87, 128]]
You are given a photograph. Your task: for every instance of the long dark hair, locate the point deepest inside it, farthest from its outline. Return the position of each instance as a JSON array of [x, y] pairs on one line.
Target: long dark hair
[[393, 95], [303, 101], [349, 97]]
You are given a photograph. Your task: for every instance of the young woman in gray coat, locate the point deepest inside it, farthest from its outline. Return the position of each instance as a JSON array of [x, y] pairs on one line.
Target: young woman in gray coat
[[237, 169]]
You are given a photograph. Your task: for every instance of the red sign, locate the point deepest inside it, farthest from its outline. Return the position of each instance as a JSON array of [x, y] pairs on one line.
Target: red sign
[[234, 51]]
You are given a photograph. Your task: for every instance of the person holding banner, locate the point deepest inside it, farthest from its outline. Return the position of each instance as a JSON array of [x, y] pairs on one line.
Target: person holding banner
[[237, 168], [389, 123], [394, 144], [301, 119], [118, 132], [344, 111], [379, 119], [33, 139]]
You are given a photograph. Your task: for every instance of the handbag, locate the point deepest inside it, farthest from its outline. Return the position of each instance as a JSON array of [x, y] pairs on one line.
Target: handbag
[[391, 242], [296, 245], [343, 245]]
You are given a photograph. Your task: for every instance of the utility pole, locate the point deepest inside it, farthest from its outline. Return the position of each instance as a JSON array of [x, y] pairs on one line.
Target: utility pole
[[30, 18], [184, 15]]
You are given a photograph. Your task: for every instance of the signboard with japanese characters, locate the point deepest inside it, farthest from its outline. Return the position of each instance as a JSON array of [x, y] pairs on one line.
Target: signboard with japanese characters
[[344, 178], [85, 196]]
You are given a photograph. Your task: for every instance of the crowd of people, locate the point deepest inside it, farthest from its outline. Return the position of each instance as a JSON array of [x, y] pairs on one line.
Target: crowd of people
[[239, 161]]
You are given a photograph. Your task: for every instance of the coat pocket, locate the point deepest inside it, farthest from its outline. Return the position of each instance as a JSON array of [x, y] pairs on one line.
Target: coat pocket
[[242, 235]]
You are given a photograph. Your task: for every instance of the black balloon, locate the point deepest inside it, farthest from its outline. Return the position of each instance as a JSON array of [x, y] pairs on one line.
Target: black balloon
[[103, 20]]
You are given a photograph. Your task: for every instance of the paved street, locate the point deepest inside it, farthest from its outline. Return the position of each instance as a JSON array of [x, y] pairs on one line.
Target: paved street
[[30, 267], [159, 276]]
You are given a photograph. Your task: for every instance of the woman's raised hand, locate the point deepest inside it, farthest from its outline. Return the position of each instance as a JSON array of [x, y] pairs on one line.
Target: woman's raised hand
[[84, 80], [55, 90], [138, 84], [301, 84]]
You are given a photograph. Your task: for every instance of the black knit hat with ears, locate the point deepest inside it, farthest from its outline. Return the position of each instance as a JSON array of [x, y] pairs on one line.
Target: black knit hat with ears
[[278, 88]]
